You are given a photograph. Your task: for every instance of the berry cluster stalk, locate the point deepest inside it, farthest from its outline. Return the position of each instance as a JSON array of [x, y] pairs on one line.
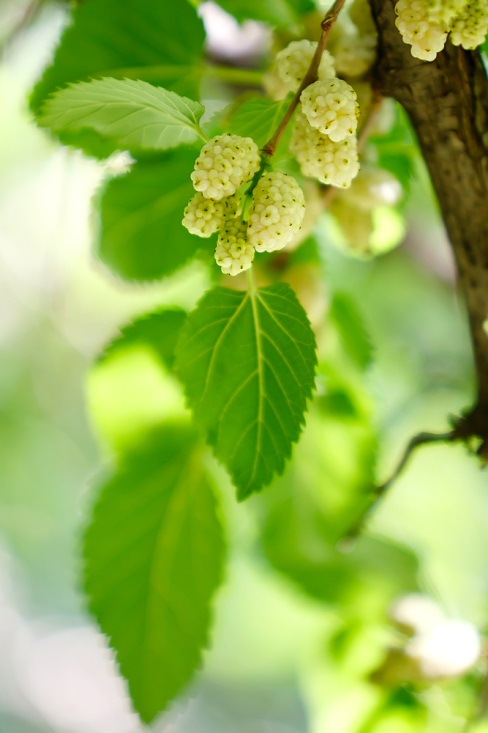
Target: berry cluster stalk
[[311, 76]]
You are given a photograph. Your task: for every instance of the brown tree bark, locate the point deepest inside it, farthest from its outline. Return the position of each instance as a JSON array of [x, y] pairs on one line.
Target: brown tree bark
[[447, 102]]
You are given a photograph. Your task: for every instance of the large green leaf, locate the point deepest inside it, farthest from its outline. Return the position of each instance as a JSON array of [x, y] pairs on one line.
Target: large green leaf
[[133, 114], [275, 12], [247, 361], [158, 42], [141, 234], [257, 118], [153, 559]]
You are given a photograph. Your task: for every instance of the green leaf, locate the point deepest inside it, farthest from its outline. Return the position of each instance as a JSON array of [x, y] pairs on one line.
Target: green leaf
[[135, 115], [153, 559], [305, 513], [141, 235], [155, 42], [275, 12], [247, 361], [257, 118], [352, 331], [158, 331]]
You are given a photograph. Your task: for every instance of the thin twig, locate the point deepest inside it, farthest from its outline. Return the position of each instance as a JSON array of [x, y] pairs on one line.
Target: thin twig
[[311, 76], [380, 491]]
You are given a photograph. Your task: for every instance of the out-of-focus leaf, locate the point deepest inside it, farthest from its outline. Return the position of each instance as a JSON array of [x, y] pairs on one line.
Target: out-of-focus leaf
[[247, 361], [141, 234], [133, 114], [158, 331], [157, 42], [320, 497], [153, 560], [397, 150], [352, 331], [280, 13]]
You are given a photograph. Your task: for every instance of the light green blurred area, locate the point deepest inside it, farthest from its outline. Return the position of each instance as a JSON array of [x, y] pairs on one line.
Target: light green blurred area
[[282, 660]]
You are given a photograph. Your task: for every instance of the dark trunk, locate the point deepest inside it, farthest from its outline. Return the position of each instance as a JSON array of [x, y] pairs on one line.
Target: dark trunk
[[447, 102]]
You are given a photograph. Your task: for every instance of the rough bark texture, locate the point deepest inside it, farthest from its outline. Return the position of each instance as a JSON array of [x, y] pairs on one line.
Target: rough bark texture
[[447, 102]]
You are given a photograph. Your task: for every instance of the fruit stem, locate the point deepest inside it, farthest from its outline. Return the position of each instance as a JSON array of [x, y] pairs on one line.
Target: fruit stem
[[311, 76]]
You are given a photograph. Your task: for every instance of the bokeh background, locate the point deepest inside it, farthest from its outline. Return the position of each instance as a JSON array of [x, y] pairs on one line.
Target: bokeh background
[[281, 661]]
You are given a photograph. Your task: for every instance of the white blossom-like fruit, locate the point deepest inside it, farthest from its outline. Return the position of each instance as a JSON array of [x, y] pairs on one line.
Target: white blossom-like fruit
[[426, 36], [470, 27], [234, 253], [331, 106], [225, 163], [335, 164], [204, 216], [276, 213], [290, 66], [374, 187], [355, 54]]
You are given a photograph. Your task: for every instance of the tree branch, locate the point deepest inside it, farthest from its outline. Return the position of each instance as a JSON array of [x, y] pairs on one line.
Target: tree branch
[[447, 102]]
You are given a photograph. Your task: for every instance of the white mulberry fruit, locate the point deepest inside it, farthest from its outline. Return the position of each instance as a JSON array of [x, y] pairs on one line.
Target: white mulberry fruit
[[331, 107], [335, 164], [355, 54], [470, 27], [290, 66], [444, 11], [234, 253], [276, 213], [426, 36], [225, 163], [204, 217], [374, 187]]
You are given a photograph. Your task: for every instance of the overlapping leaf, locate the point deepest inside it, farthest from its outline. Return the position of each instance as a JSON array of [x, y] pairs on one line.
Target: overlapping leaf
[[354, 337], [276, 12], [157, 42], [257, 118], [158, 331], [134, 114], [247, 361], [141, 234], [153, 559]]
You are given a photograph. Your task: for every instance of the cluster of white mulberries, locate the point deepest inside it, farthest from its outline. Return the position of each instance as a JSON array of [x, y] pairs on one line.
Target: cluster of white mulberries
[[265, 218], [331, 107], [277, 212], [225, 163], [333, 163], [290, 66], [426, 24], [324, 135]]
